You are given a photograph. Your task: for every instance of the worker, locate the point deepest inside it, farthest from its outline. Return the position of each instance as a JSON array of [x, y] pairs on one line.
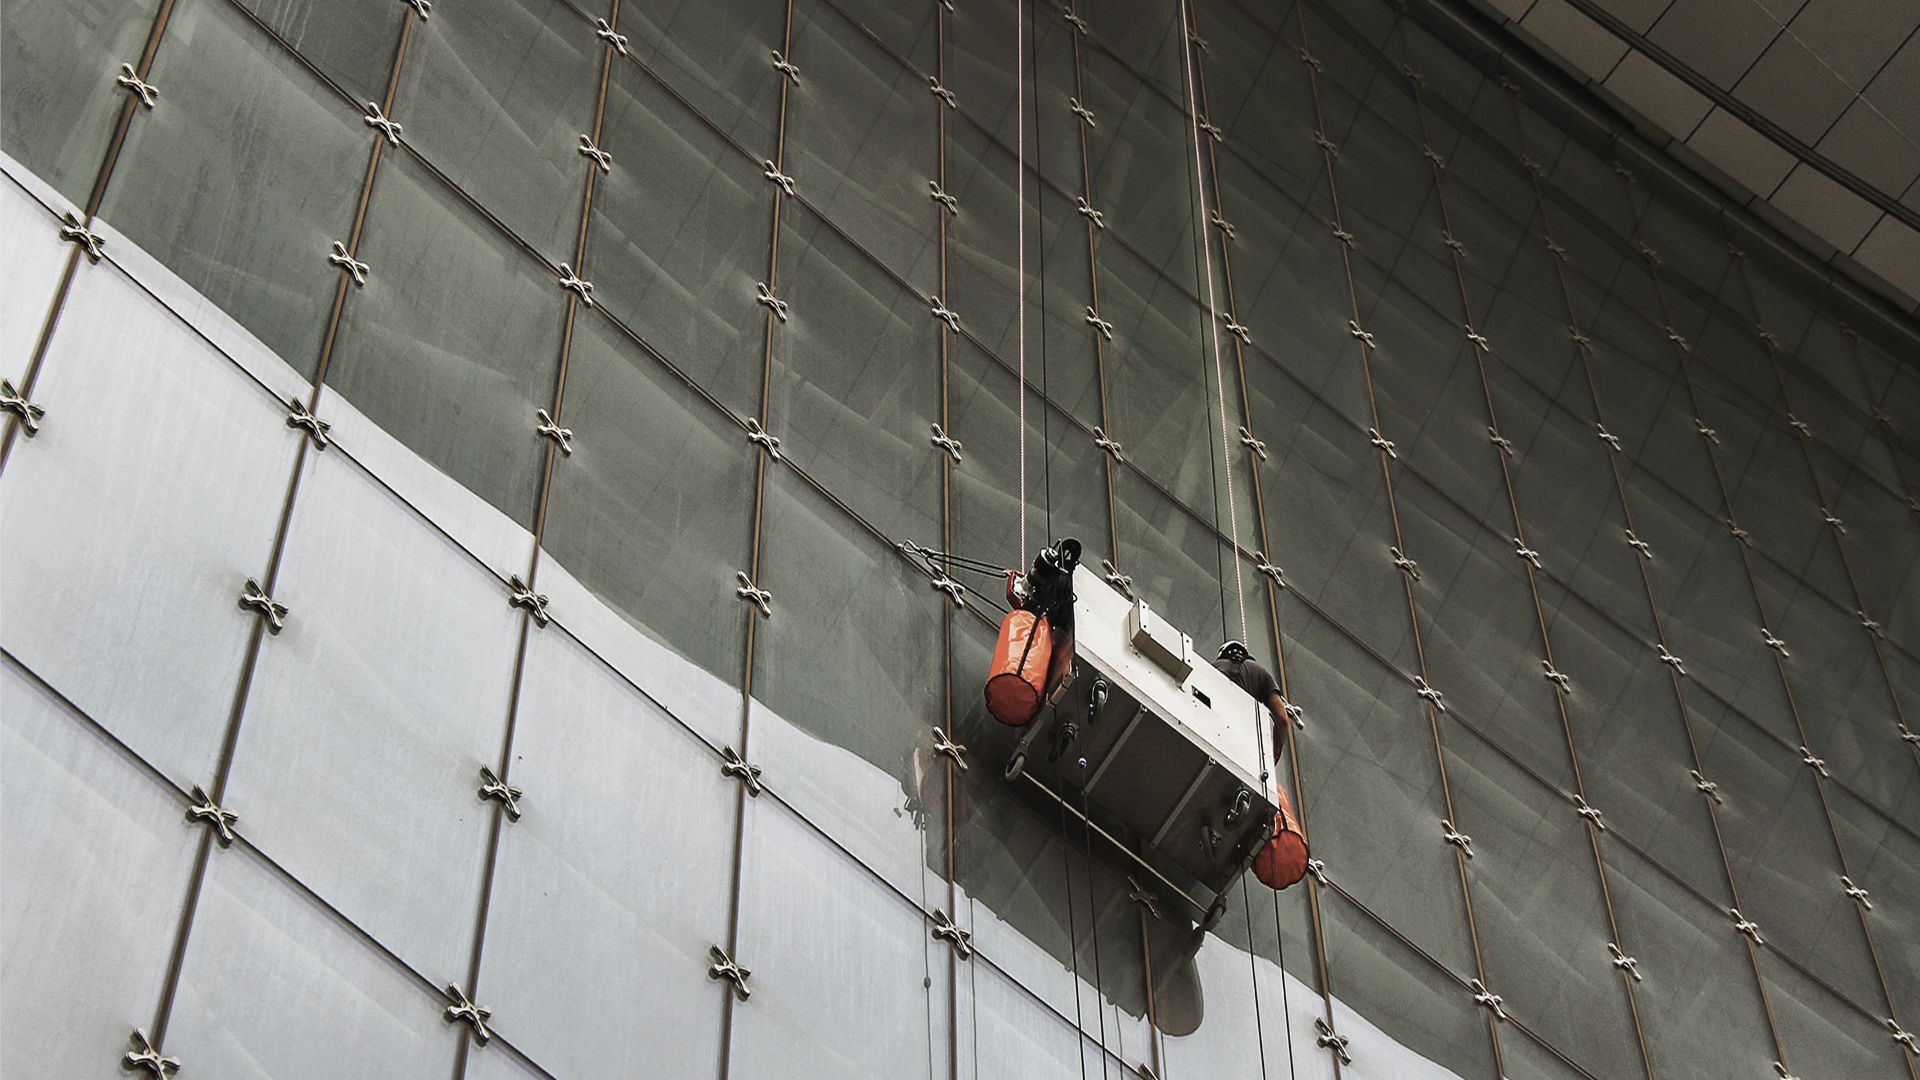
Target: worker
[[1047, 591], [1236, 663]]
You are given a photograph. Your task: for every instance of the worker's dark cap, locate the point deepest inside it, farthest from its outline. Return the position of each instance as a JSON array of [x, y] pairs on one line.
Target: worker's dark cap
[[1231, 649]]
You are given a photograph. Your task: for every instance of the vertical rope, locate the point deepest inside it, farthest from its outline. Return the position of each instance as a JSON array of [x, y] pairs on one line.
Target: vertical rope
[[1213, 330], [1213, 318], [1020, 247]]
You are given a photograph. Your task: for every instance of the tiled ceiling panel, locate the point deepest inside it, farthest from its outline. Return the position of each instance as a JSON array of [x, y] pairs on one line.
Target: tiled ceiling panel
[[1810, 109], [1793, 89], [1854, 38], [1717, 38]]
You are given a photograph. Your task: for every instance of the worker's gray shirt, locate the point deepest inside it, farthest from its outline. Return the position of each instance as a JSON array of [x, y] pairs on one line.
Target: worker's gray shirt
[[1257, 681]]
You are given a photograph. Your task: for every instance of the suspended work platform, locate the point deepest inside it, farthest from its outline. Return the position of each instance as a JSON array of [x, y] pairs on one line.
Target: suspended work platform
[[1168, 757]]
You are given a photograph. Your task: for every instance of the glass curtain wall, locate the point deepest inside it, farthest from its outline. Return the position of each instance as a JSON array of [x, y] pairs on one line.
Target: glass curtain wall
[[458, 458]]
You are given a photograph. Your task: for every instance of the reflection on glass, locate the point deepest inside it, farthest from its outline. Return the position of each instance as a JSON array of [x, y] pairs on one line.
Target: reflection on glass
[[243, 117]]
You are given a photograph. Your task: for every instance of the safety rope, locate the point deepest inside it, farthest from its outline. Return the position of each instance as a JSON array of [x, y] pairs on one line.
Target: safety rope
[[1219, 368], [1020, 247], [1213, 323], [1187, 37]]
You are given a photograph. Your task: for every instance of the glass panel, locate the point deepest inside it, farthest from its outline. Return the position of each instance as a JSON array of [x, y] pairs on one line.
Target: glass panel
[[1479, 632], [244, 118], [678, 238], [1706, 605], [1371, 789], [840, 964], [1699, 1006], [1062, 462], [856, 381], [454, 341], [135, 517], [1885, 860], [97, 858], [1266, 107], [626, 829], [391, 680], [1225, 1012], [1538, 906], [862, 143], [265, 961], [715, 58], [981, 274], [495, 93], [1180, 566], [1326, 512], [1521, 1058], [1635, 755], [1401, 1017], [1565, 488], [499, 1063], [1824, 1036], [981, 73], [1885, 559], [61, 60], [1140, 156], [1160, 379], [1015, 1035], [36, 257], [652, 512], [1840, 692], [1781, 853], [352, 42], [1145, 36], [847, 681]]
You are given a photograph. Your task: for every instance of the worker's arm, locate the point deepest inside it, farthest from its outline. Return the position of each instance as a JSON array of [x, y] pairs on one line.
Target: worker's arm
[[1282, 730]]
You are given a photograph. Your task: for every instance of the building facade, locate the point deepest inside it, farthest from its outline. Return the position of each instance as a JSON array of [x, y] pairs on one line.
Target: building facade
[[455, 623]]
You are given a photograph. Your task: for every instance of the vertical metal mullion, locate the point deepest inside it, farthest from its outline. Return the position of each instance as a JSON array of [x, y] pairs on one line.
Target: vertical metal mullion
[[57, 303], [943, 222], [1269, 588], [1107, 463], [497, 824], [1417, 87], [1873, 640], [1680, 352], [230, 739], [748, 615], [1386, 473], [1583, 354], [1805, 440]]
